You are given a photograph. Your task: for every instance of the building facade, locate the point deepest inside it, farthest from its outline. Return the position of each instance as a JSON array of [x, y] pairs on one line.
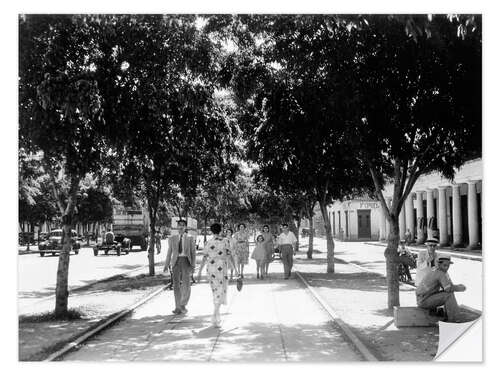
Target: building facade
[[355, 220], [450, 211]]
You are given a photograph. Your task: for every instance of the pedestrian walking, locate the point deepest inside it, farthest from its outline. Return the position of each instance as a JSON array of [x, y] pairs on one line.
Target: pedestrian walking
[[269, 247], [217, 256], [181, 259], [259, 255], [286, 243], [232, 246], [242, 248]]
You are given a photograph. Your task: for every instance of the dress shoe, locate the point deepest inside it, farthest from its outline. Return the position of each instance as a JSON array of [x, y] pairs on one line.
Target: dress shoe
[[177, 311], [183, 310]]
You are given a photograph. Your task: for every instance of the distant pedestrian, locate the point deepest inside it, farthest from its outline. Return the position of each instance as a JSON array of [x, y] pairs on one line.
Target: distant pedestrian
[[181, 259], [286, 243], [217, 256], [269, 246], [259, 255], [242, 248], [232, 246]]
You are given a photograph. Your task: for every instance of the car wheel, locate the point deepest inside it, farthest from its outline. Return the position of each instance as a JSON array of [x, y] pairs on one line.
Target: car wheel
[[42, 254], [105, 252], [96, 252]]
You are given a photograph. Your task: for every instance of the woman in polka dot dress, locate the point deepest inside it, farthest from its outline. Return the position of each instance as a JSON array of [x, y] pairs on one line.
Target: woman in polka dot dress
[[217, 256]]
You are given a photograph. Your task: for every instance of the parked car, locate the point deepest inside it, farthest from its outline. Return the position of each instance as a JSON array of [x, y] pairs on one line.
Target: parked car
[[53, 244]]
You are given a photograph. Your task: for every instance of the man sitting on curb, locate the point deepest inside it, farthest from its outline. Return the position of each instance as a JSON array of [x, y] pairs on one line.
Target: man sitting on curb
[[426, 260], [436, 289]]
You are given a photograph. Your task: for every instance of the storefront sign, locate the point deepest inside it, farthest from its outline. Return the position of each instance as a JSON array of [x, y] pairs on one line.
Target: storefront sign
[[369, 205]]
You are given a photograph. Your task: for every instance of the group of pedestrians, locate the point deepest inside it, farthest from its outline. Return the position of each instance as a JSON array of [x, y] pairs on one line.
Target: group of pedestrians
[[225, 252]]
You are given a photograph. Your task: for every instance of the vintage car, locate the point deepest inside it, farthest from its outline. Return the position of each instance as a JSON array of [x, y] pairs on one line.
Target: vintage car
[[53, 244], [116, 244]]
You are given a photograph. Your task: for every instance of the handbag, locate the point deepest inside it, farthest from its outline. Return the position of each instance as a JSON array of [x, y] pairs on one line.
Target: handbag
[[239, 283]]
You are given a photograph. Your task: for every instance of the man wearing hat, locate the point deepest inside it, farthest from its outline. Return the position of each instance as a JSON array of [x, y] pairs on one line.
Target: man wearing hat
[[181, 260], [426, 260], [436, 289]]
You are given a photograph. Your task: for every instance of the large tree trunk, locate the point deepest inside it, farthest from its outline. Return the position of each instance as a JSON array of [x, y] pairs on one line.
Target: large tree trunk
[[311, 237], [205, 231], [330, 245], [298, 237], [30, 229], [151, 245], [62, 271], [391, 256], [61, 309]]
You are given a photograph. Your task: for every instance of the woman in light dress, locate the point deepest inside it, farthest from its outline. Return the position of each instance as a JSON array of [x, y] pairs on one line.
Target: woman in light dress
[[232, 246], [217, 257], [241, 248]]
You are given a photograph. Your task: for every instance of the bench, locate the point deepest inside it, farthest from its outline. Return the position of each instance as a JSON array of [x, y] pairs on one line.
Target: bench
[[414, 317]]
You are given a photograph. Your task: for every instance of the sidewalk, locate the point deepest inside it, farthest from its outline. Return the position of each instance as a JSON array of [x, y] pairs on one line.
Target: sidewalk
[[272, 320]]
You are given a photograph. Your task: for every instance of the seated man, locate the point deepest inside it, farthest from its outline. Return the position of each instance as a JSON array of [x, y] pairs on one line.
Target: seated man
[[426, 260], [436, 289]]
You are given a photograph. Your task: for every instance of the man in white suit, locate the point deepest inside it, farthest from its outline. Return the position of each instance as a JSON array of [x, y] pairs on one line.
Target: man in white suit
[[181, 259]]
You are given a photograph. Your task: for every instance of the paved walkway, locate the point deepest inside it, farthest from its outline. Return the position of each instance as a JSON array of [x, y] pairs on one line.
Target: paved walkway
[[272, 320]]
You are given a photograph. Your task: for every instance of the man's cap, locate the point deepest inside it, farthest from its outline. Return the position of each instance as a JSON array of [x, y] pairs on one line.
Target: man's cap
[[442, 258], [432, 241], [181, 221]]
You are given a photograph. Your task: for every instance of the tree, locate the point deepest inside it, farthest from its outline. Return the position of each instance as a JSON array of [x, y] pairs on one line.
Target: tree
[[297, 120], [66, 83], [34, 202], [94, 205], [416, 108], [177, 131]]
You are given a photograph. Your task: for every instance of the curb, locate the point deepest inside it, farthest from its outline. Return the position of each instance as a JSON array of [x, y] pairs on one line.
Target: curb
[[365, 352], [477, 258], [101, 326]]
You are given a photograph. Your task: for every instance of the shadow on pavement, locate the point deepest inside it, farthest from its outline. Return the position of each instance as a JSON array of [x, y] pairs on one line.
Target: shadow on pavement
[[192, 339]]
